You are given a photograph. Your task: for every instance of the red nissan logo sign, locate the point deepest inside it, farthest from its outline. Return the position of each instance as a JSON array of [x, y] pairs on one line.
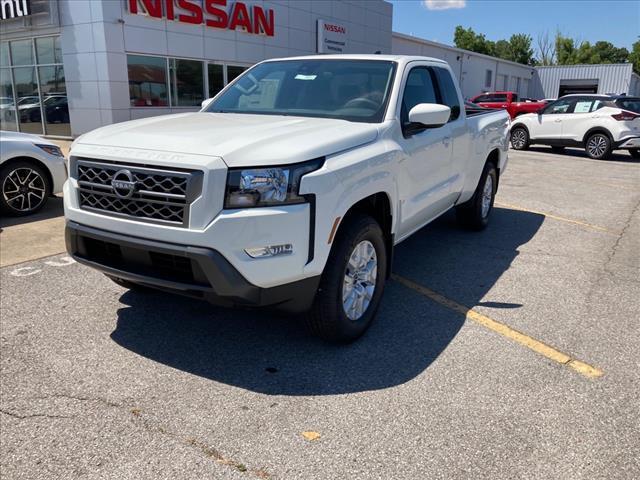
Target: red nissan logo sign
[[213, 13]]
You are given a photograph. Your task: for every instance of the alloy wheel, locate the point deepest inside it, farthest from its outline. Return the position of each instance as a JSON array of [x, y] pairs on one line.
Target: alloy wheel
[[24, 189], [359, 281], [597, 146], [487, 195], [518, 138]]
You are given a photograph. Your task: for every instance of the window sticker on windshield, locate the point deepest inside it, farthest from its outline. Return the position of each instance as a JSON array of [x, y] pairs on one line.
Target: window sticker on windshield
[[305, 77], [582, 107]]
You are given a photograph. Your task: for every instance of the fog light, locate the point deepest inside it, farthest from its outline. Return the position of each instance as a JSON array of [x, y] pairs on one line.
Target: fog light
[[270, 251]]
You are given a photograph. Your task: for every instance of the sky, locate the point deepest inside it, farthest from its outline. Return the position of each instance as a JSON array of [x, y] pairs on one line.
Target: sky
[[616, 21]]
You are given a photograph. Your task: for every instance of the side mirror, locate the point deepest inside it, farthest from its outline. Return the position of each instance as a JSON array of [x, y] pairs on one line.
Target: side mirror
[[430, 115], [205, 103]]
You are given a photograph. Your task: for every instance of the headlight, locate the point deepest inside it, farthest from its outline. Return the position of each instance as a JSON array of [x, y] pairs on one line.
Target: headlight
[[51, 150], [262, 187]]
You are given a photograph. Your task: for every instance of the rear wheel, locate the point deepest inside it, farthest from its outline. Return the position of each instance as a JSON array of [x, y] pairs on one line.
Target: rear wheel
[[635, 152], [24, 188], [474, 214], [352, 283], [519, 138], [598, 146]]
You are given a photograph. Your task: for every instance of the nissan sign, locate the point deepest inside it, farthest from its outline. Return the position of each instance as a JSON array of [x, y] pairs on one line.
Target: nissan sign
[[212, 13], [14, 9], [332, 37]]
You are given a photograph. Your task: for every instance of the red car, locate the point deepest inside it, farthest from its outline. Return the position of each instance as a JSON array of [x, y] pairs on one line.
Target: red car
[[508, 101]]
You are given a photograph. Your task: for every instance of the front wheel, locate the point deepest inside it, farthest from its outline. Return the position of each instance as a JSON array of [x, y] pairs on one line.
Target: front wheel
[[24, 188], [598, 146], [519, 138], [352, 283], [474, 214]]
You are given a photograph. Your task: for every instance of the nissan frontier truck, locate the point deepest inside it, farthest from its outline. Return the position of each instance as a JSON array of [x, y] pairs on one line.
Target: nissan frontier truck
[[290, 189]]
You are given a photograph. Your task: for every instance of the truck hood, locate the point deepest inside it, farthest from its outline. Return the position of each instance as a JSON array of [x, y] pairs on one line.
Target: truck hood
[[240, 140]]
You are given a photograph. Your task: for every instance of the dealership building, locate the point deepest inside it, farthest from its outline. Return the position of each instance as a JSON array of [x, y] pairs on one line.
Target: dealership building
[[69, 66]]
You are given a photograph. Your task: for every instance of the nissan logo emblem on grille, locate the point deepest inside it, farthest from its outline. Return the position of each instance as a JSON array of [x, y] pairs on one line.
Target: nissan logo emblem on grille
[[123, 184]]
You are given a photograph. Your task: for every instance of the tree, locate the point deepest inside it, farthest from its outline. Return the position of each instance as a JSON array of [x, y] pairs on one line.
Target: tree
[[634, 57], [469, 40], [520, 49], [517, 48], [565, 50], [546, 49]]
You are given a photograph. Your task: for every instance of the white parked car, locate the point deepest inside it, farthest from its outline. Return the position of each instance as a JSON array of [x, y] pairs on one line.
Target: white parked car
[[598, 123], [289, 189], [31, 169]]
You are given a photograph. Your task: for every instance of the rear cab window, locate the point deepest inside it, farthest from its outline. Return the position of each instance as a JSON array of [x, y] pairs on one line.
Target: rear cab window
[[449, 92]]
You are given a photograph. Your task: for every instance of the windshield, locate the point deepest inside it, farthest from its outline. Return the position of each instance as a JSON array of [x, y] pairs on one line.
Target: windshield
[[354, 90]]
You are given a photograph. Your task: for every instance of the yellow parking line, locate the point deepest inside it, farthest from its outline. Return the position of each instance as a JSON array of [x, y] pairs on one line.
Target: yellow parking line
[[556, 217], [537, 346]]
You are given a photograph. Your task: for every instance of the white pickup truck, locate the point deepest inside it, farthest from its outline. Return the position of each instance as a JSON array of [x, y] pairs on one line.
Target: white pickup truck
[[289, 189]]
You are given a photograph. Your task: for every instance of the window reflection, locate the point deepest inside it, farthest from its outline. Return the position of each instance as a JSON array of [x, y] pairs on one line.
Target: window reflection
[[147, 81], [28, 100], [7, 120], [187, 83], [33, 98], [54, 100]]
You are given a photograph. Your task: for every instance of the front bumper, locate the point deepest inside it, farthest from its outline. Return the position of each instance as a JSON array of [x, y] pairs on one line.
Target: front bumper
[[188, 270]]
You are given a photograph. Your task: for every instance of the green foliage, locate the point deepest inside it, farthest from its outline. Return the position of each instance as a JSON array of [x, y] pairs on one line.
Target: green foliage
[[568, 51], [517, 48], [634, 57]]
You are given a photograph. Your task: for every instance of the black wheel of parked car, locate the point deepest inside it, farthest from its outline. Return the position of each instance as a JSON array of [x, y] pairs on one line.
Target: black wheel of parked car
[[352, 283], [474, 214], [136, 287], [24, 187], [557, 149], [598, 146], [635, 152], [519, 138]]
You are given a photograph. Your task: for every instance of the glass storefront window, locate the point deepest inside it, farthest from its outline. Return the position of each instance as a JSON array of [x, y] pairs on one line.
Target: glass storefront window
[[54, 100], [216, 79], [147, 81], [7, 118], [187, 83], [28, 100], [234, 71], [22, 52], [48, 50], [4, 54]]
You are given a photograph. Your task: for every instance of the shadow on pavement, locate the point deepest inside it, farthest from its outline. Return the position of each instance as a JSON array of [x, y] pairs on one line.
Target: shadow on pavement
[[268, 353], [616, 156], [52, 209]]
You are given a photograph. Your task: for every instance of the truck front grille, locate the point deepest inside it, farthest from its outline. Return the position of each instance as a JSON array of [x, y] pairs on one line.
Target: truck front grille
[[147, 193]]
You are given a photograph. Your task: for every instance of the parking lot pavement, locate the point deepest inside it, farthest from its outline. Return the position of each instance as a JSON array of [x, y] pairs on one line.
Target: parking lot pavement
[[98, 382]]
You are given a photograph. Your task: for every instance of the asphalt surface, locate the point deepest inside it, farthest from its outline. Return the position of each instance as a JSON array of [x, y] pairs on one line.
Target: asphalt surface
[[99, 382]]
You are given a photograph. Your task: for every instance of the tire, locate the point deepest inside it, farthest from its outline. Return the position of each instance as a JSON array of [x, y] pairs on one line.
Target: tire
[[634, 152], [474, 214], [24, 188], [136, 287], [557, 149], [329, 318], [519, 138], [598, 146]]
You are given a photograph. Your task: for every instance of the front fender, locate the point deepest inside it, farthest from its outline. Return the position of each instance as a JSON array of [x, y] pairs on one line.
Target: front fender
[[344, 180]]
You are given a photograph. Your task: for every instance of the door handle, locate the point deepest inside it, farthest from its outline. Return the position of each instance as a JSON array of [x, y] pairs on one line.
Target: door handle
[[557, 120]]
